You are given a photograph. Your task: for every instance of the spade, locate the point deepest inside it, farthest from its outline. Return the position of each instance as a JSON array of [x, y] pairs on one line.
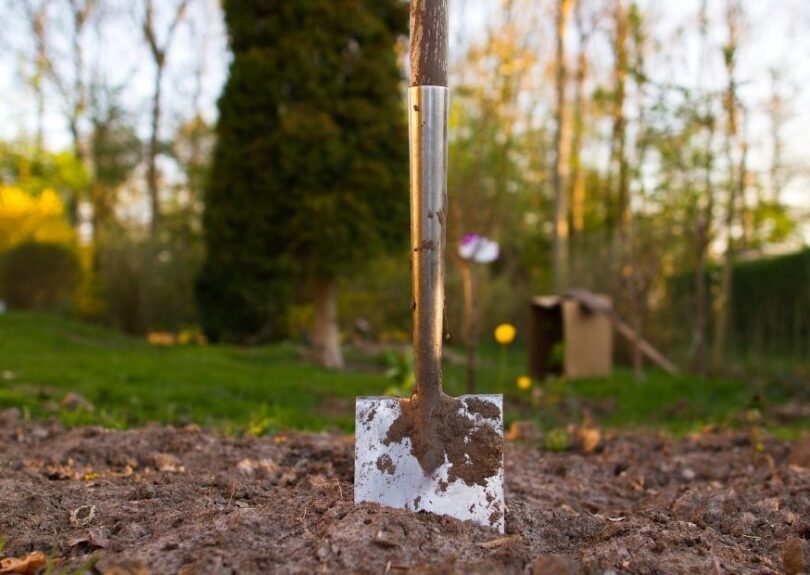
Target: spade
[[430, 452]]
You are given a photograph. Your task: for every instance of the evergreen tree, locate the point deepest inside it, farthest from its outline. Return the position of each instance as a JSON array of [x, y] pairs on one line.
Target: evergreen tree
[[309, 175]]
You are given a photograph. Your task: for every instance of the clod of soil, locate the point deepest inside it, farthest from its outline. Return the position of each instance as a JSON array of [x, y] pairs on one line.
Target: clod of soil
[[446, 431], [483, 408], [800, 454], [385, 464], [796, 556], [643, 504]]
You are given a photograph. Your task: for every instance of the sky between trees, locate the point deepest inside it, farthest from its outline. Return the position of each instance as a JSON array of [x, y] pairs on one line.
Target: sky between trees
[[775, 38]]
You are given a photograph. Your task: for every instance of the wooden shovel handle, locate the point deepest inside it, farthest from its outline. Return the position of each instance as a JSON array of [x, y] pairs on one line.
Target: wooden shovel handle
[[429, 42]]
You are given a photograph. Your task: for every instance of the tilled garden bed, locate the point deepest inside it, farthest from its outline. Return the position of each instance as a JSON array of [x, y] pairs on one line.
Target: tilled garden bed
[[183, 500]]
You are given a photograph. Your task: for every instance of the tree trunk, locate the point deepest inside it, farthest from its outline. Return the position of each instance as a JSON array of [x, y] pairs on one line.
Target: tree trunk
[[701, 300], [39, 24], [152, 182], [704, 217], [579, 267], [325, 336], [736, 185], [638, 324], [470, 325], [702, 241], [159, 54], [777, 114], [560, 255], [578, 173], [737, 190], [617, 179]]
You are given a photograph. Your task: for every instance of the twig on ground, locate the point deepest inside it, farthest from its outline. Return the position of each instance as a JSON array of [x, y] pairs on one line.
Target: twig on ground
[[492, 544]]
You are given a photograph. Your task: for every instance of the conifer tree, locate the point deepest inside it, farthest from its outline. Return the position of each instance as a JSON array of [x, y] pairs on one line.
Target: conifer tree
[[309, 175]]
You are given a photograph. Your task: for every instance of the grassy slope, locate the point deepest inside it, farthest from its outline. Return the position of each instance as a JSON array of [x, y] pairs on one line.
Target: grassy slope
[[43, 357], [134, 382]]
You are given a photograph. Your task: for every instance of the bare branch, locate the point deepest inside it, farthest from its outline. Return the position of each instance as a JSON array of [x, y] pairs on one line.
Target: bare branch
[[150, 33]]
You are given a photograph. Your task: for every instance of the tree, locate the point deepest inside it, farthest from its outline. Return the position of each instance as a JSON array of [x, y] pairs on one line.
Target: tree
[[309, 172], [778, 111], [703, 211], [73, 90], [36, 15], [560, 247], [114, 151], [193, 139], [158, 50], [736, 178], [585, 29], [619, 212], [635, 269], [33, 170]]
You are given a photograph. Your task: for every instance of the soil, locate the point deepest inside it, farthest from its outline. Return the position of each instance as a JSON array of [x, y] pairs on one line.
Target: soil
[[168, 500], [444, 431]]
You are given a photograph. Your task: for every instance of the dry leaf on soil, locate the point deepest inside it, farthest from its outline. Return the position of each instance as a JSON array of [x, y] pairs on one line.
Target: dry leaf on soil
[[27, 565]]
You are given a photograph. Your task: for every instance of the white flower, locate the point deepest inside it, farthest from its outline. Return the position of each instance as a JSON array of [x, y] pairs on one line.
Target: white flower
[[479, 249]]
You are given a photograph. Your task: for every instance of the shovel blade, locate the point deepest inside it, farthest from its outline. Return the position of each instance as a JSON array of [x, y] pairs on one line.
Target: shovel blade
[[390, 474]]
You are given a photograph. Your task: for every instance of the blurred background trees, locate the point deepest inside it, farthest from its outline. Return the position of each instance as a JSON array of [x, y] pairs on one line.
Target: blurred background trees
[[651, 152]]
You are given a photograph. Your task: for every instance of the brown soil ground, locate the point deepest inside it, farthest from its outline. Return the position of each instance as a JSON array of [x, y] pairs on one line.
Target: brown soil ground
[[166, 500]]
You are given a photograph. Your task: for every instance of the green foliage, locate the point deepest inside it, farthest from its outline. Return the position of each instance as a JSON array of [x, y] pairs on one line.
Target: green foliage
[[309, 172], [115, 151], [114, 145], [400, 371], [377, 296], [556, 359], [36, 170], [770, 305], [265, 420], [39, 276], [557, 440], [773, 223]]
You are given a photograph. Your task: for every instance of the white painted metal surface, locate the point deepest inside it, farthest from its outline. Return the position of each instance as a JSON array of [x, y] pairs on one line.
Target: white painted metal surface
[[391, 475]]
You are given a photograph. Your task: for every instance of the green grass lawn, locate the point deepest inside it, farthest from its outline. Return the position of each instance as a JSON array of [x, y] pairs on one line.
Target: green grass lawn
[[131, 382], [263, 389]]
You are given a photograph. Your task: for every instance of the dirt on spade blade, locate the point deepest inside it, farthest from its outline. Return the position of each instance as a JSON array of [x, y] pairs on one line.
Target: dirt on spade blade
[[166, 500]]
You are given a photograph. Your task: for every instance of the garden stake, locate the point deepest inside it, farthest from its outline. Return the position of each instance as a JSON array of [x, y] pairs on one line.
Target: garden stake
[[430, 452]]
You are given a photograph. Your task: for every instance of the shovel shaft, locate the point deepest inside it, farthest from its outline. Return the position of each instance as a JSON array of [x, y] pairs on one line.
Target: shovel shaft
[[428, 115], [429, 42]]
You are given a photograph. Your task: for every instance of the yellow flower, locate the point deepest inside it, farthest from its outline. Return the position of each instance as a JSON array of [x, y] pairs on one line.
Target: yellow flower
[[505, 333], [161, 338], [524, 382]]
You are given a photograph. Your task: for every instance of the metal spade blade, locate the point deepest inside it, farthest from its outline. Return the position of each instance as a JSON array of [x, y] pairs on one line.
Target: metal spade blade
[[430, 452], [388, 473]]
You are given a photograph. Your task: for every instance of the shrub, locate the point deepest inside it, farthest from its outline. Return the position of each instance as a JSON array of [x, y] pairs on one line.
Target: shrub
[[145, 290], [37, 275]]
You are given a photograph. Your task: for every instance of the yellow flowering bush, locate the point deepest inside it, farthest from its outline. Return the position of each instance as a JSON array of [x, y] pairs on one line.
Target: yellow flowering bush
[[26, 217]]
